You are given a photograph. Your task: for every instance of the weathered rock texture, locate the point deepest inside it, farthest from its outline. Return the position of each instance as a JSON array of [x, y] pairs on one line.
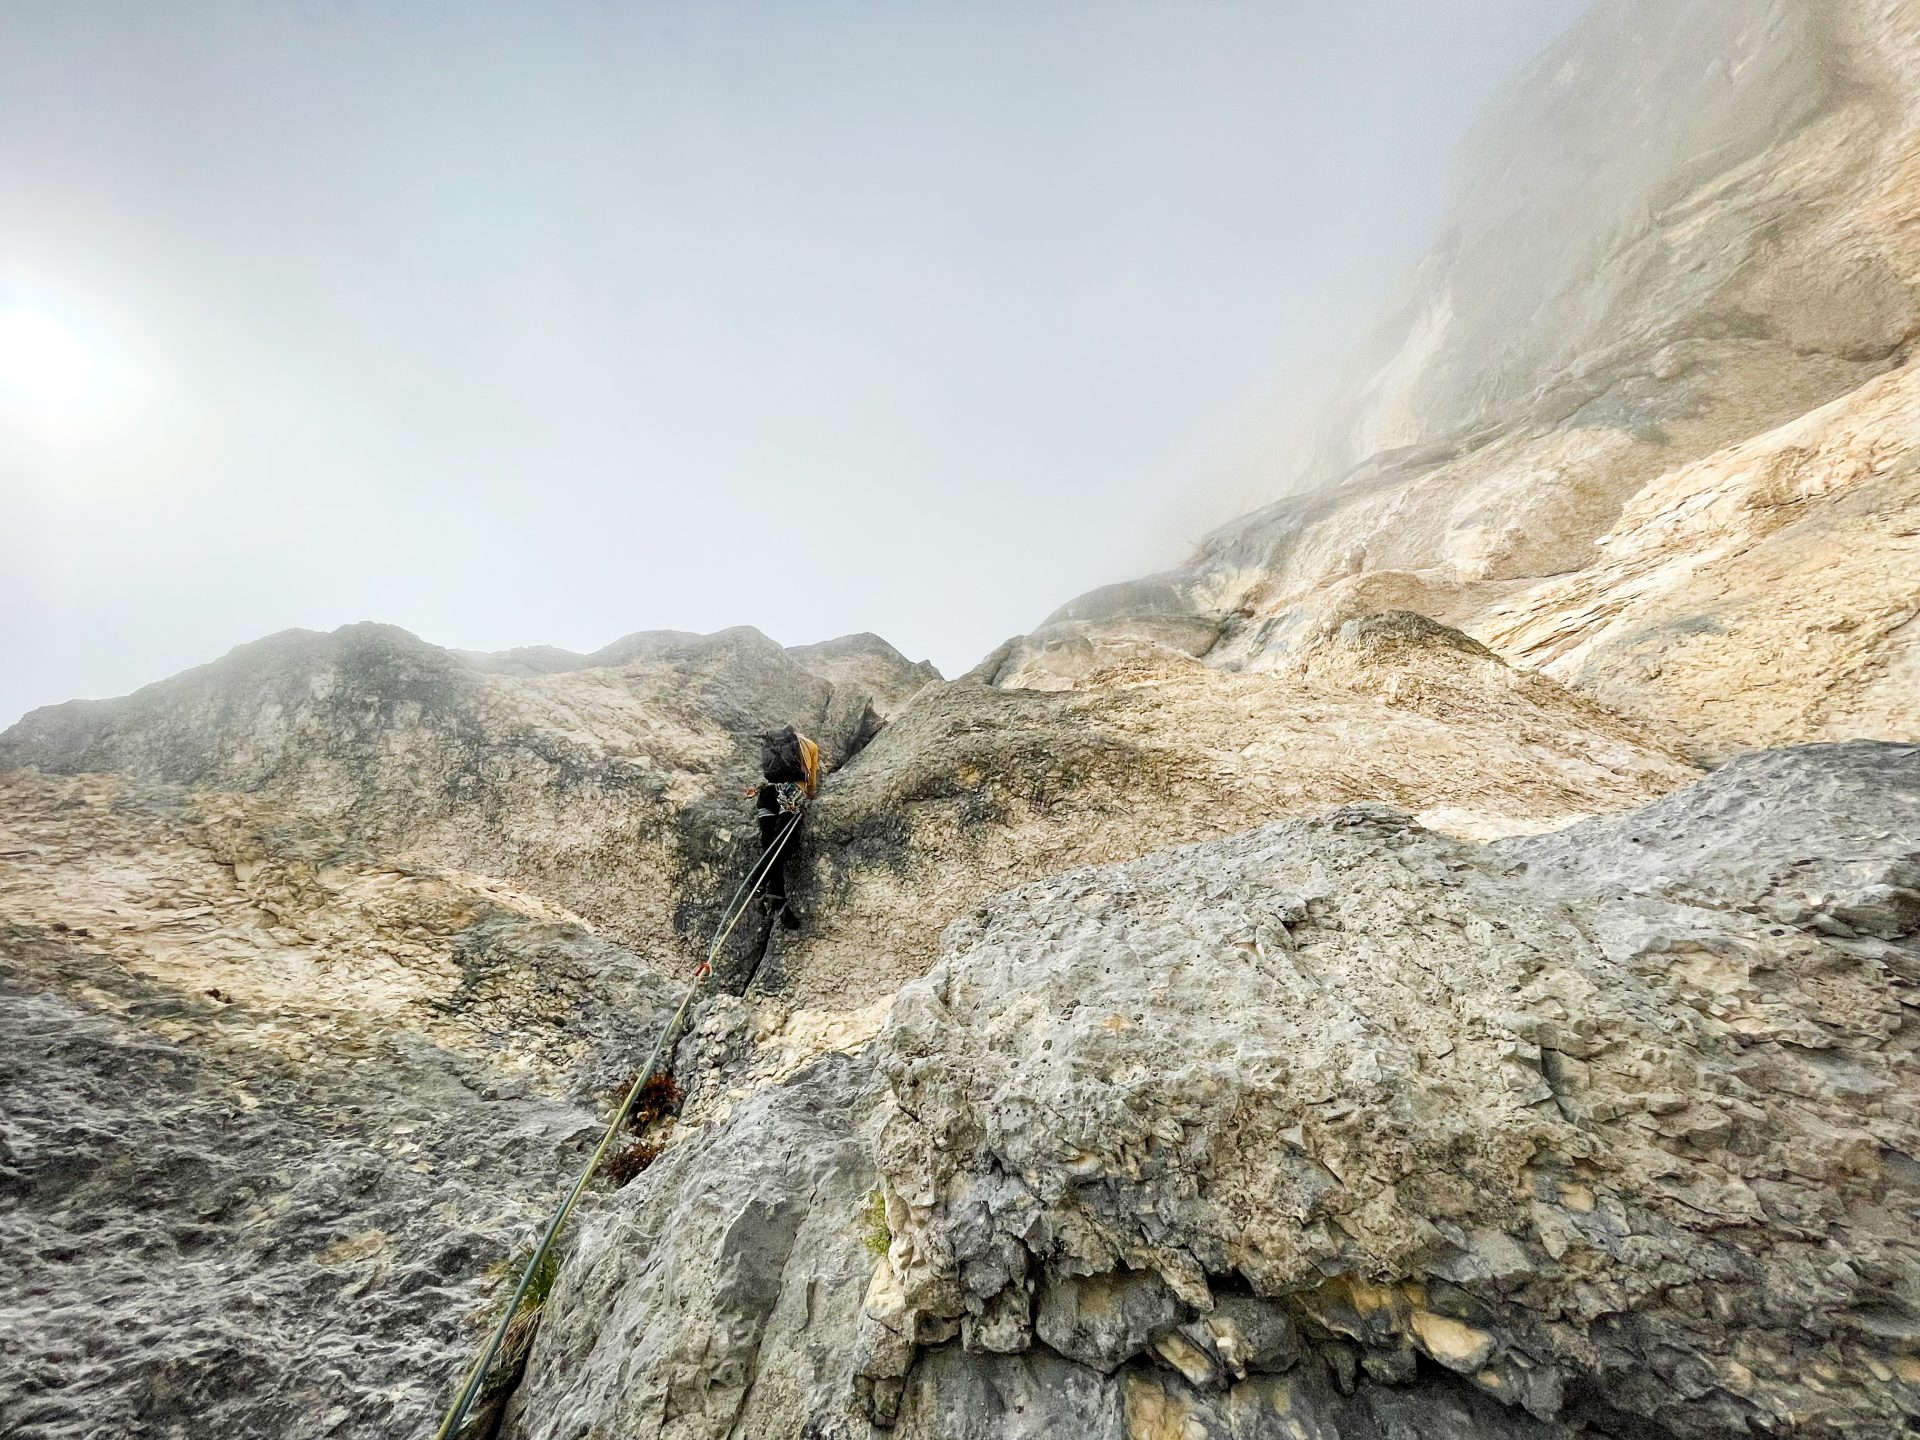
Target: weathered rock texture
[[609, 784], [1609, 1120], [1655, 385], [719, 1294], [308, 1022], [976, 788], [1424, 1114], [1763, 594], [271, 1111], [1340, 1127], [866, 662]]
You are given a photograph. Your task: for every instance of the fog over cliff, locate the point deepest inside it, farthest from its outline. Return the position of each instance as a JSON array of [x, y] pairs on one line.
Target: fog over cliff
[[519, 326]]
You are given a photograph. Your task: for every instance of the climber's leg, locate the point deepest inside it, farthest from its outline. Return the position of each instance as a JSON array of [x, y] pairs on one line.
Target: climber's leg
[[773, 882], [770, 870], [774, 885]]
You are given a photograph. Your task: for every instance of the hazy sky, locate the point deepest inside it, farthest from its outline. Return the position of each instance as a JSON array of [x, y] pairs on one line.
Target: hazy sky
[[542, 323]]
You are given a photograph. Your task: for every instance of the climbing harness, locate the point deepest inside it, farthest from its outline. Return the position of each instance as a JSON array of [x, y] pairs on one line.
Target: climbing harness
[[736, 908]]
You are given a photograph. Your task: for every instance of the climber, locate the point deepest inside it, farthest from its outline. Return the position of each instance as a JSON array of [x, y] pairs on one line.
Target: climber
[[790, 765]]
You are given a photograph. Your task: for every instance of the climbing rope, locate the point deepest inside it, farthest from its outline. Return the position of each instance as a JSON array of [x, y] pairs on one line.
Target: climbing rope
[[737, 908]]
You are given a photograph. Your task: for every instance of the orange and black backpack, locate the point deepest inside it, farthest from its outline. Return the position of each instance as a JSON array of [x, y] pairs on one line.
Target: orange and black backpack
[[788, 757]]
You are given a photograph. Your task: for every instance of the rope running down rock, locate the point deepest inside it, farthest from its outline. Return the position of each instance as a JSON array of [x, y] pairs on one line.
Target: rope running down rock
[[737, 908]]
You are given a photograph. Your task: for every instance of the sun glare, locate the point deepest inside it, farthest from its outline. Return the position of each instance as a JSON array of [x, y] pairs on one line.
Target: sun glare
[[44, 361]]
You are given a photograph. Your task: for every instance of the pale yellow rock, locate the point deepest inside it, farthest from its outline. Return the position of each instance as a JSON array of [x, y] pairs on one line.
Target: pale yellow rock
[[1764, 595], [1453, 1343]]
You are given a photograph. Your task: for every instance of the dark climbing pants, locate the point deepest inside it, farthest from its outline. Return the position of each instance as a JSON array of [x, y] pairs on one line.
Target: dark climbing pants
[[774, 864]]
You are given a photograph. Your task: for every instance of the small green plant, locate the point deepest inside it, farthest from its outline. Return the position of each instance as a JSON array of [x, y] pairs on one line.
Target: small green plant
[[506, 1274], [874, 1232], [483, 1421]]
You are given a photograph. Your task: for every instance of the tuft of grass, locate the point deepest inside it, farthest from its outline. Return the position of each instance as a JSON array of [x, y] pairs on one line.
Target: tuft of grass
[[483, 1421], [506, 1274], [874, 1233], [624, 1165]]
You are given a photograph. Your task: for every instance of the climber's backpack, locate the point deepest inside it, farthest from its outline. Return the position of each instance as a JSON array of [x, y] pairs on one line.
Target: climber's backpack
[[788, 756]]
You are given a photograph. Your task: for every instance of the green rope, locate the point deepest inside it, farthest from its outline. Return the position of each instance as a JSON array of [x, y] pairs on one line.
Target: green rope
[[476, 1377]]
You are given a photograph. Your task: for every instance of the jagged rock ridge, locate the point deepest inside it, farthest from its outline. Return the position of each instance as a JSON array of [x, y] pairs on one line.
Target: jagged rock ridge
[[607, 783]]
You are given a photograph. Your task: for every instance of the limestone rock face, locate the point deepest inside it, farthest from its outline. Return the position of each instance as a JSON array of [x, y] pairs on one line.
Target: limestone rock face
[[1766, 593], [1725, 178], [609, 783], [720, 1294], [976, 788], [1340, 1127], [308, 1022], [1362, 984], [272, 1111], [1645, 418], [867, 663], [1609, 1124]]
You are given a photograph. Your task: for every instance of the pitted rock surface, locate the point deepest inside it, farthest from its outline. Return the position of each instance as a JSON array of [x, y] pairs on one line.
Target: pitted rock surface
[[720, 1294], [1594, 1144], [206, 1235], [272, 1111]]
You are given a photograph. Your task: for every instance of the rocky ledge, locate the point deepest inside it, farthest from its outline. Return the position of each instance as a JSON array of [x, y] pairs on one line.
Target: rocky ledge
[[1337, 1128]]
